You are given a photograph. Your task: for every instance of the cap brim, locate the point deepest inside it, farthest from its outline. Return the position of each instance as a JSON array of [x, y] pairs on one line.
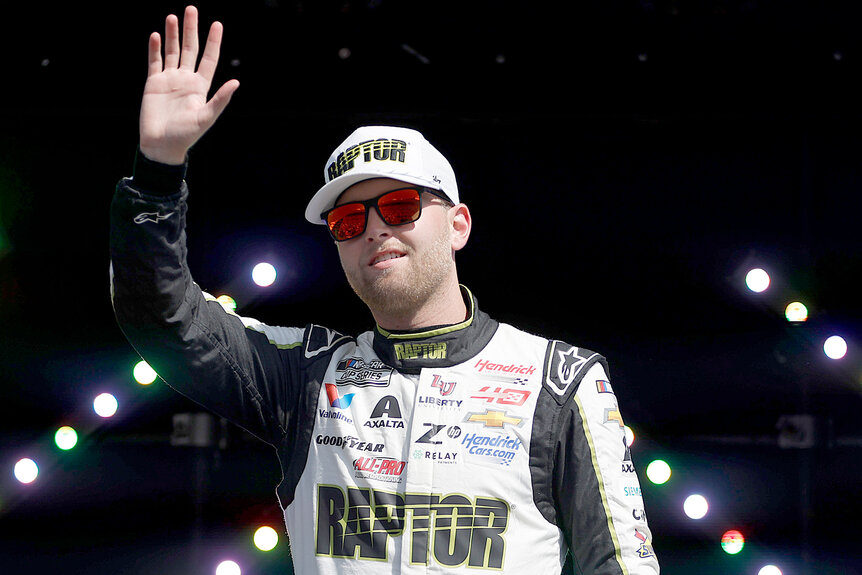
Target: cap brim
[[326, 196]]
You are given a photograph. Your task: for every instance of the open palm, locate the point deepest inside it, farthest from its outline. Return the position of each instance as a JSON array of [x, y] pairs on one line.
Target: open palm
[[175, 111]]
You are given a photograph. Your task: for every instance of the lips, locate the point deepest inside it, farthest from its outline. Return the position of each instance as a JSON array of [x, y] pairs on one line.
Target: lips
[[385, 256]]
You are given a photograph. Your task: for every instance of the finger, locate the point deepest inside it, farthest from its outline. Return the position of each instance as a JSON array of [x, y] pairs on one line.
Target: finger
[[190, 39], [172, 42], [212, 49], [221, 99], [155, 54]]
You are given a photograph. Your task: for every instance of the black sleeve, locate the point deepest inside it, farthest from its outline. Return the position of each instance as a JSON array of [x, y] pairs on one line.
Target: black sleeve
[[192, 342]]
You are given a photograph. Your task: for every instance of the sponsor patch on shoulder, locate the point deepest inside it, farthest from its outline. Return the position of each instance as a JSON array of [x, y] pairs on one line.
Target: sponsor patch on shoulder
[[564, 365]]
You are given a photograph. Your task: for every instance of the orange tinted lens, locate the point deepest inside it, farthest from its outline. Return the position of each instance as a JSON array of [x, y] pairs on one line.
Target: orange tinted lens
[[346, 221], [399, 207]]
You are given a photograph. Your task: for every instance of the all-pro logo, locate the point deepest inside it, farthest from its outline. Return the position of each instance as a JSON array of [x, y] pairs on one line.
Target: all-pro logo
[[361, 373], [386, 469]]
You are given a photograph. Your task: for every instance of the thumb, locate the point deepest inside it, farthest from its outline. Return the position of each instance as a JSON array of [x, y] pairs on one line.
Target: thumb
[[221, 99]]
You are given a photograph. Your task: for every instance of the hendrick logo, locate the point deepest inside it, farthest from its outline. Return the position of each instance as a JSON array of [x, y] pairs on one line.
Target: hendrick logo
[[483, 365], [358, 372], [499, 449]]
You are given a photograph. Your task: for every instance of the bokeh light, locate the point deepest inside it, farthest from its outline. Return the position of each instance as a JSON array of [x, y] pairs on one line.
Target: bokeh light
[[757, 280], [630, 435], [263, 274], [265, 538], [732, 542], [227, 302], [144, 374], [228, 568], [796, 312], [105, 405], [26, 470], [658, 472], [835, 347], [695, 506], [66, 438], [769, 570]]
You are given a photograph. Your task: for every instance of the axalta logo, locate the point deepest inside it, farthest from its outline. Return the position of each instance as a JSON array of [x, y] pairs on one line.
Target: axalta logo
[[356, 371], [451, 530], [499, 449], [338, 401], [483, 365], [382, 150], [420, 350], [387, 413], [349, 442], [385, 469]]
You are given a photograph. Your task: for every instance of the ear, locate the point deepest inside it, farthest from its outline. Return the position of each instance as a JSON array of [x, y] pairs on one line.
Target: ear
[[462, 223]]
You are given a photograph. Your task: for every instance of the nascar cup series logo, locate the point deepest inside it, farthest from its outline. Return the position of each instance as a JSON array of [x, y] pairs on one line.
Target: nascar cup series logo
[[361, 373]]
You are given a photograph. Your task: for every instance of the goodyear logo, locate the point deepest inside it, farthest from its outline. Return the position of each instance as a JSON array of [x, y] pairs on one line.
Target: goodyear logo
[[420, 350], [452, 530], [382, 150]]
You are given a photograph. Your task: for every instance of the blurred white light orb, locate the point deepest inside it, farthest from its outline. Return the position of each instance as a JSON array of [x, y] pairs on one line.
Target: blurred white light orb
[[66, 438], [757, 280], [630, 435], [144, 374], [265, 538], [105, 405], [695, 506], [263, 274], [26, 470], [769, 570], [658, 472], [796, 312], [835, 347], [228, 568]]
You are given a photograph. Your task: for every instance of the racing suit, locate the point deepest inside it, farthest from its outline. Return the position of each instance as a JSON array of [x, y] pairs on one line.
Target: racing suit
[[458, 448]]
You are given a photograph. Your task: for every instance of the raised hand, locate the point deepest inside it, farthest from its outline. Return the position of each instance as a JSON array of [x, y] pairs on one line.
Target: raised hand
[[175, 112]]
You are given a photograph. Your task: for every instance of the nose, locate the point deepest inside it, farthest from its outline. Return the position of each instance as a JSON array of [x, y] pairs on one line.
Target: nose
[[375, 227]]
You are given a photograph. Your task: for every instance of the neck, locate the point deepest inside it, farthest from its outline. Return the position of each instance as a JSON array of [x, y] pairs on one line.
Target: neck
[[445, 308]]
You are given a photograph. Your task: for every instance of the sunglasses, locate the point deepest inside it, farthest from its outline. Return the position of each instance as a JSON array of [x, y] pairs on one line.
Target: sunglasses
[[395, 207]]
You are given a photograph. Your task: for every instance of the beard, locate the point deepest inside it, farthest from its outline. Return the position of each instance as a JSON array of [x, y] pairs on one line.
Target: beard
[[401, 290]]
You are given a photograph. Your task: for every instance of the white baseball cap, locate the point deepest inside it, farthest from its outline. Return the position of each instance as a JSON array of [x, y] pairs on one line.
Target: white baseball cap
[[382, 152]]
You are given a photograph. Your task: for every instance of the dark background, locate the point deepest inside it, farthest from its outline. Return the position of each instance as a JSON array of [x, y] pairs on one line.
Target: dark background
[[625, 164]]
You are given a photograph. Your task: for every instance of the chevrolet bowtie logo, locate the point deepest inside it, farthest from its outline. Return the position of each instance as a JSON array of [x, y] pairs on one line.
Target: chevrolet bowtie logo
[[493, 418]]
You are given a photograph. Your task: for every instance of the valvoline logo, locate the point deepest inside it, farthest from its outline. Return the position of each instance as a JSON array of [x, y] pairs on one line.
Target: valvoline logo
[[336, 401]]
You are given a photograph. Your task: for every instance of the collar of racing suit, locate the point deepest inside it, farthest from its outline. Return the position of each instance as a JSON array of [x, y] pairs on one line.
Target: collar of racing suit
[[437, 346]]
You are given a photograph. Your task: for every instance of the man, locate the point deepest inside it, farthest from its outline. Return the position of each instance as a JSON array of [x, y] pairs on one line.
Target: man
[[441, 440]]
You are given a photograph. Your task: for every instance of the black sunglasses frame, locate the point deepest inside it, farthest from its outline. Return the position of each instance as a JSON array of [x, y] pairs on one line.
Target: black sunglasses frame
[[374, 202]]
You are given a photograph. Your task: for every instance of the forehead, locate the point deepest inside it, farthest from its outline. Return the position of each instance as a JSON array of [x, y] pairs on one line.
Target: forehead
[[367, 189]]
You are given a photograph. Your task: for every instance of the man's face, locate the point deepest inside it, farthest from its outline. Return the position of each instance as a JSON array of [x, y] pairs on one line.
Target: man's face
[[395, 269]]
